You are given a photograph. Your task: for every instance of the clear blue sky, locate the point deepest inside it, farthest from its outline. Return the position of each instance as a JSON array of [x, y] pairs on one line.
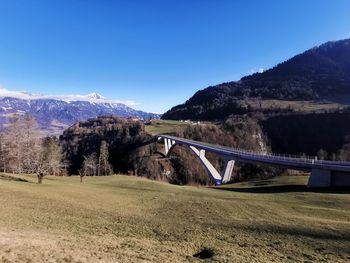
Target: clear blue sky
[[157, 53]]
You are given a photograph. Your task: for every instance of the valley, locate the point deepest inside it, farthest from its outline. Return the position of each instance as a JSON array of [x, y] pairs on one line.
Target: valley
[[174, 131]]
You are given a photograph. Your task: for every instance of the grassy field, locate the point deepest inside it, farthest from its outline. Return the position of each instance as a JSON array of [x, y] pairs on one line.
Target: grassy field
[[299, 106], [163, 126], [168, 126], [129, 219]]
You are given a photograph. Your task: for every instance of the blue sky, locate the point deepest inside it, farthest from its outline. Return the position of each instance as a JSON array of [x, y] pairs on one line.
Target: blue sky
[[156, 53]]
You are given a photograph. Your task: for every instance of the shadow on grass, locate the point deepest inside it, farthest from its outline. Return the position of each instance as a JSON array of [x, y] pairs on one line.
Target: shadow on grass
[[285, 189], [318, 234], [12, 178]]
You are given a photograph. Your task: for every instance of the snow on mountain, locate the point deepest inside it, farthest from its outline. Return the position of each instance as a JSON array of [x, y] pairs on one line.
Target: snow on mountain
[[92, 97], [55, 113], [95, 96]]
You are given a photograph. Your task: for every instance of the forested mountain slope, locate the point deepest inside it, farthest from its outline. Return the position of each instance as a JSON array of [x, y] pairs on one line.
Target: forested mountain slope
[[321, 73]]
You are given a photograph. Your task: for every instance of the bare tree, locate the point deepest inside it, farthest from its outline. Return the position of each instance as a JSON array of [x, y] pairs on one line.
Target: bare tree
[[13, 142], [32, 145], [54, 154], [41, 166], [21, 144], [104, 167], [23, 150], [3, 154], [322, 154], [89, 167], [82, 173], [85, 169]]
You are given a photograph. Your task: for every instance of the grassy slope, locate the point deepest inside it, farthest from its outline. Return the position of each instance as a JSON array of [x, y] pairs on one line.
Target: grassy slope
[[163, 126], [299, 106], [123, 218]]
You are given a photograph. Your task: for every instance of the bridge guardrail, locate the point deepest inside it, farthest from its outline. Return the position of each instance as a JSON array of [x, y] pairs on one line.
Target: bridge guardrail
[[288, 157], [264, 155]]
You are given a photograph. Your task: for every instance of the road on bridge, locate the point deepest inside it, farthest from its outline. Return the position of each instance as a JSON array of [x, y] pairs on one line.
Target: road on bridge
[[323, 173]]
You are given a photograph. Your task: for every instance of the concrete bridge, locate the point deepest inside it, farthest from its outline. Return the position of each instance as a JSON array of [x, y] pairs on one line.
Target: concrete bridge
[[323, 173]]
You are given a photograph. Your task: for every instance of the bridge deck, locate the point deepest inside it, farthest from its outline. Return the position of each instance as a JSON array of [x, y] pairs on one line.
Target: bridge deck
[[298, 163]]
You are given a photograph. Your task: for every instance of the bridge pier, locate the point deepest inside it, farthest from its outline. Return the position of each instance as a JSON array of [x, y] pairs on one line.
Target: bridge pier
[[218, 178], [228, 169], [323, 173], [320, 178], [168, 143], [327, 178]]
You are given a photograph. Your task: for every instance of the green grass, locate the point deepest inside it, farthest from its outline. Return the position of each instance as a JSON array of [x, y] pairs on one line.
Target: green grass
[[299, 106], [129, 219], [163, 126]]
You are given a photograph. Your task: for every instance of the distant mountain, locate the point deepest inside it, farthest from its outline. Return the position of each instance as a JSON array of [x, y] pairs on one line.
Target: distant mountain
[[54, 114], [321, 73]]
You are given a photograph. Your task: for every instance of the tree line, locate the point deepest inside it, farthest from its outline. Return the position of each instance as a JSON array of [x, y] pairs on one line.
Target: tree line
[[107, 145], [24, 150]]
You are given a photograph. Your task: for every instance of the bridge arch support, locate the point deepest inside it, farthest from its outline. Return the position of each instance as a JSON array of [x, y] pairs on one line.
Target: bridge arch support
[[323, 173], [217, 177]]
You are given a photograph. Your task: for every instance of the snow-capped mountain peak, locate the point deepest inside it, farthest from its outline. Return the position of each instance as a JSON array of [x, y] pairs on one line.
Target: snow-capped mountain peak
[[96, 96], [63, 109], [92, 97]]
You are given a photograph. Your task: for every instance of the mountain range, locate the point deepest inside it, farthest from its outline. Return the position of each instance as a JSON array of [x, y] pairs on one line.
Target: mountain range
[[55, 113], [319, 74]]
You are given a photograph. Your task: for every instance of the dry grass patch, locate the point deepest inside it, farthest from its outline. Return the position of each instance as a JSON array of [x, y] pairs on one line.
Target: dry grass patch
[[119, 218], [164, 126]]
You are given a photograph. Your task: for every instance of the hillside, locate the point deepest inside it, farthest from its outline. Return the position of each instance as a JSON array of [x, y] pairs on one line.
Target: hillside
[[126, 140], [286, 136], [319, 74], [133, 150], [129, 219]]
